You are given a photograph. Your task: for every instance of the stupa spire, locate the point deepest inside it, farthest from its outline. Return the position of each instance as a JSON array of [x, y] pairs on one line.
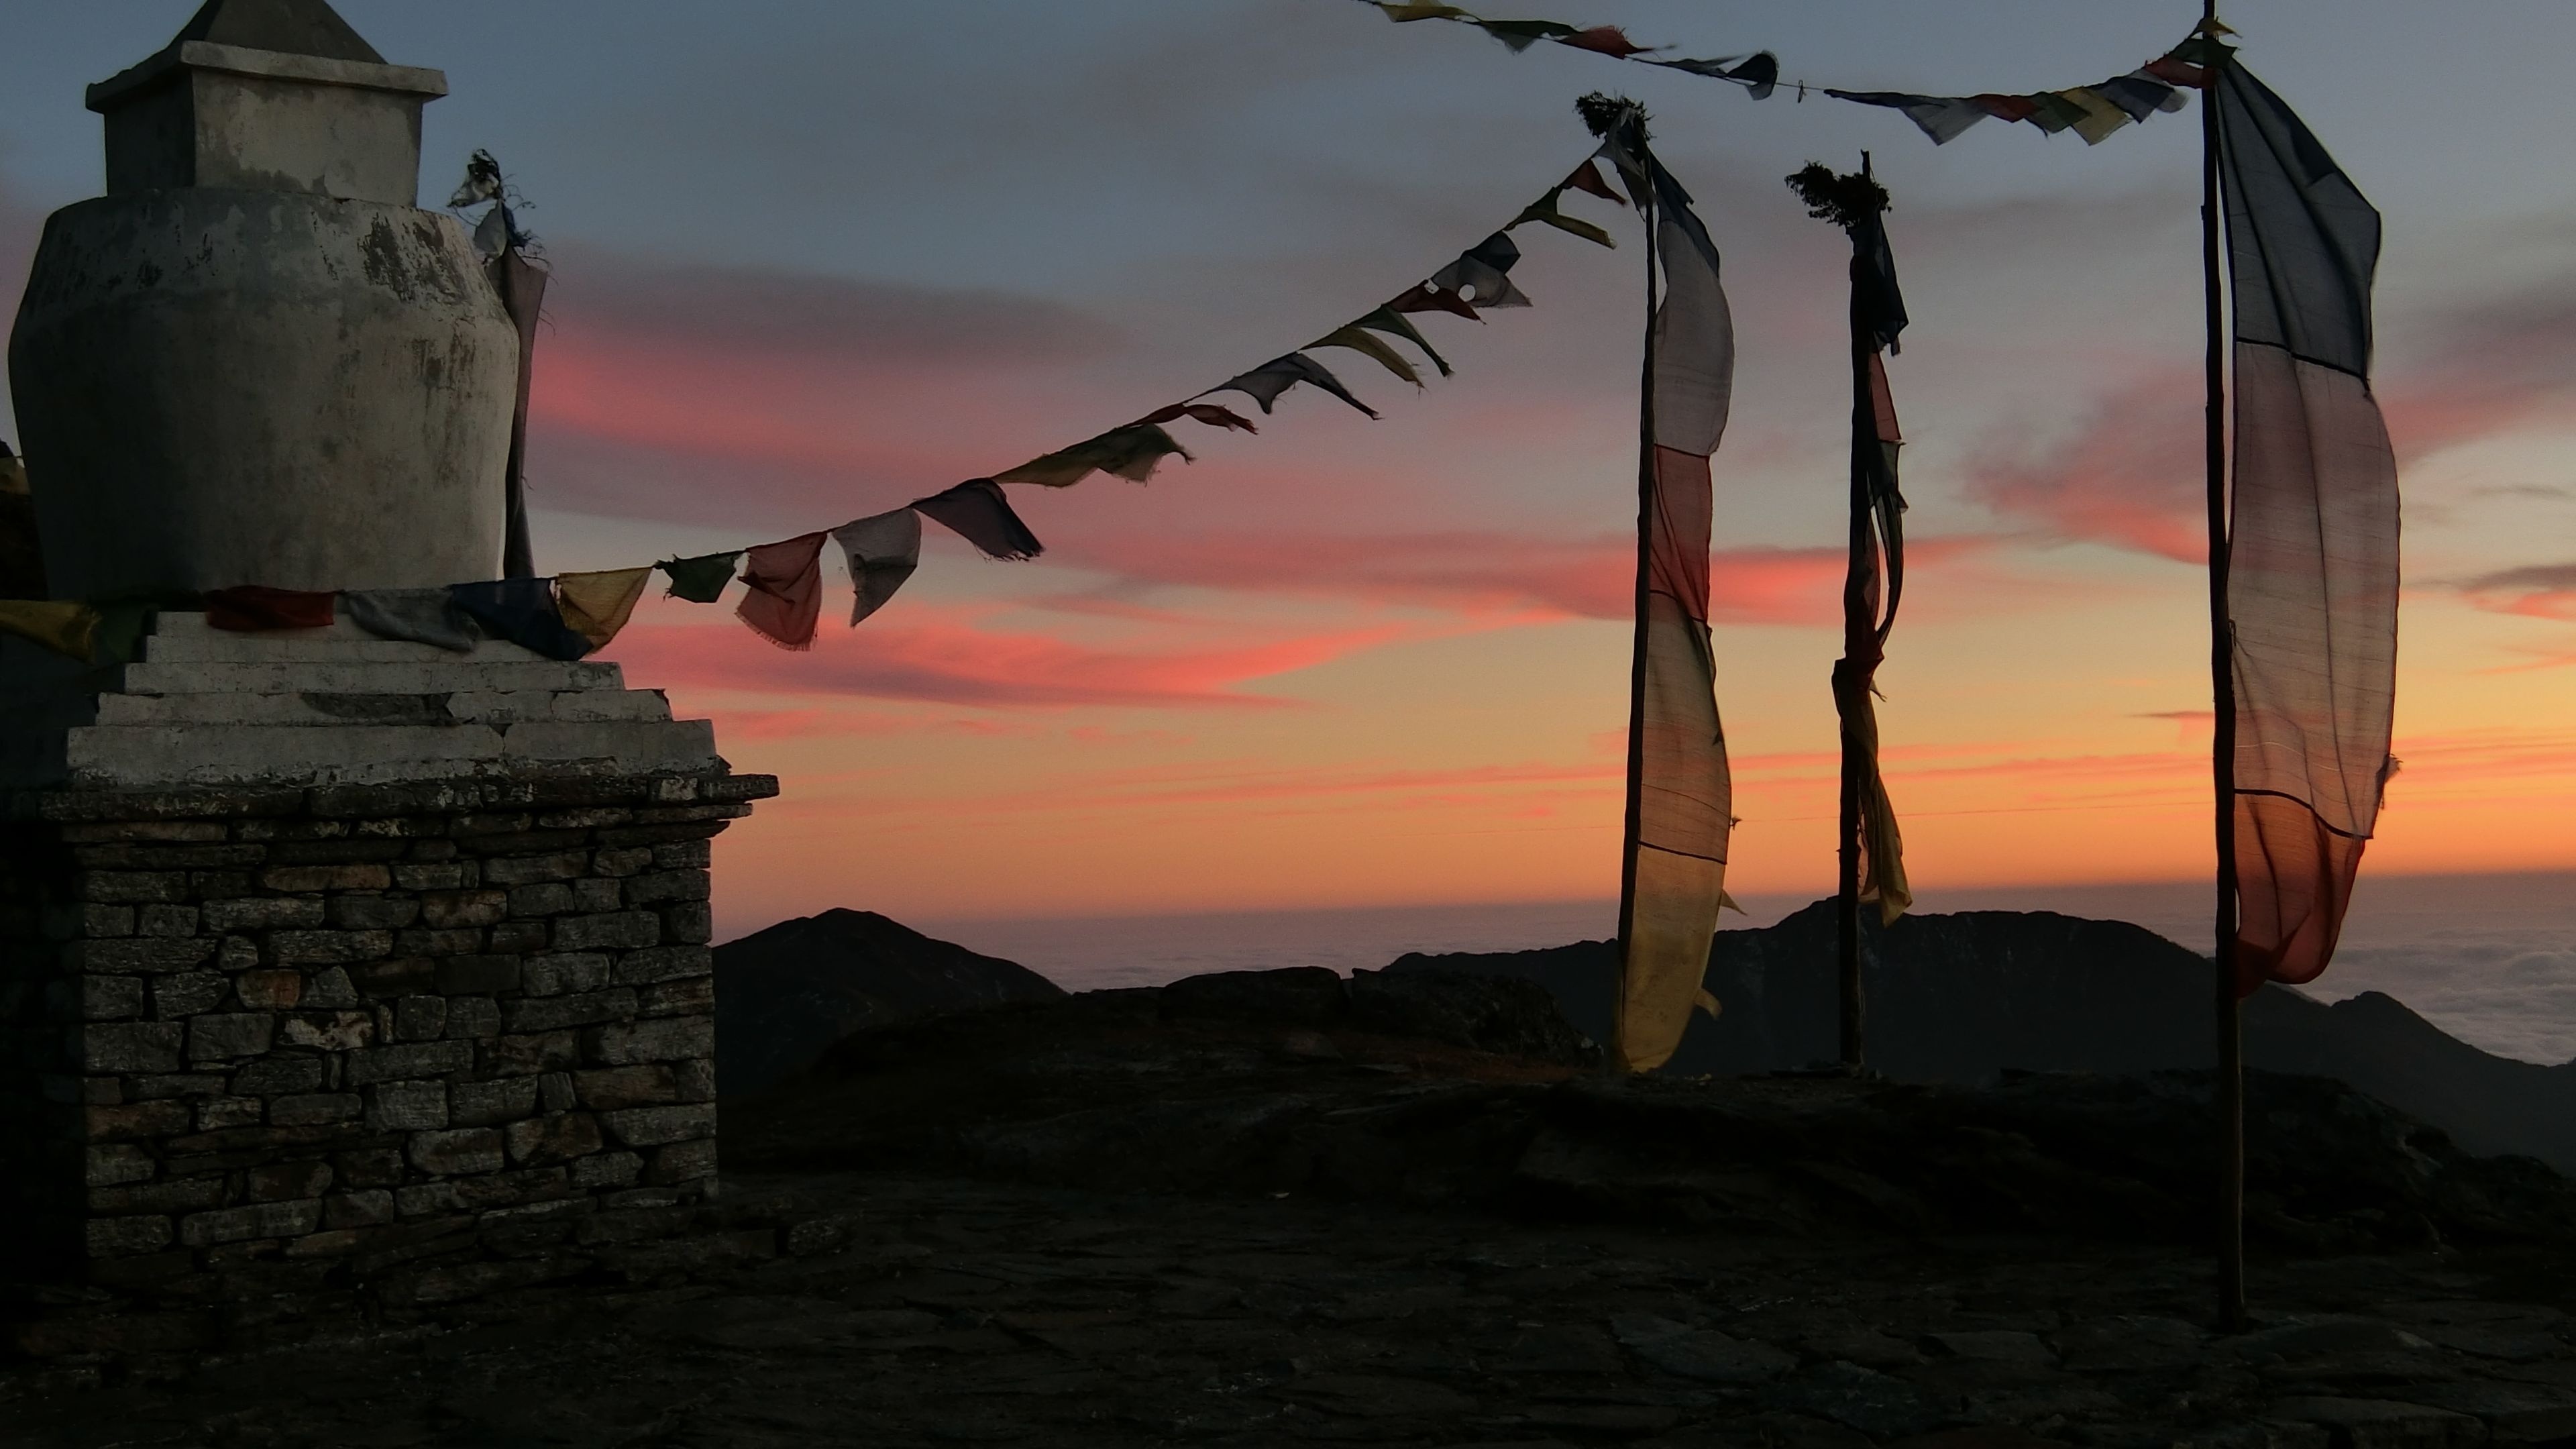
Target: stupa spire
[[289, 27]]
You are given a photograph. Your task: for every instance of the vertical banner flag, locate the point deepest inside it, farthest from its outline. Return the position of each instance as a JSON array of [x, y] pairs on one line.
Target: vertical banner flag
[[521, 285], [2312, 552], [1680, 800], [1873, 851]]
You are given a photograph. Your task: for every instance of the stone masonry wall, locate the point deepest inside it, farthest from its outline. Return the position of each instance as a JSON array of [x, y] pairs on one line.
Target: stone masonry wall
[[333, 1031]]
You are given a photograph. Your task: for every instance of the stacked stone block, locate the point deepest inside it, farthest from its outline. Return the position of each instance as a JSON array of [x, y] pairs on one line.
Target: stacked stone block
[[356, 1027]]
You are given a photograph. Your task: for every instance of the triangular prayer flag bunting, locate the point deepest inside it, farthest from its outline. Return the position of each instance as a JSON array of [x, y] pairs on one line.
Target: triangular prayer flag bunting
[[257, 607], [1587, 177], [1401, 11], [2054, 113], [597, 604], [62, 625], [1544, 210], [122, 625], [522, 611], [1212, 414], [2138, 93], [2177, 72], [700, 580], [1129, 452], [418, 616], [1432, 297], [1940, 117], [883, 551], [1480, 274], [1758, 73], [2101, 117], [785, 580], [1387, 320], [2009, 108], [979, 513], [1265, 383], [1360, 340], [1607, 40], [1522, 34]]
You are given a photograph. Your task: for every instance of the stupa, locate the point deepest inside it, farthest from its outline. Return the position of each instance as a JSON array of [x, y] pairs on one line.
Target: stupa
[[321, 954]]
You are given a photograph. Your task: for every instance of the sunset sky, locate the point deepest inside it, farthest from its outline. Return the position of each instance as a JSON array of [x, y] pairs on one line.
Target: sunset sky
[[813, 260]]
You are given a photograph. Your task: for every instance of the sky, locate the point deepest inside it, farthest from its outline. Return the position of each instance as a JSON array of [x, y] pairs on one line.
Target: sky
[[813, 260]]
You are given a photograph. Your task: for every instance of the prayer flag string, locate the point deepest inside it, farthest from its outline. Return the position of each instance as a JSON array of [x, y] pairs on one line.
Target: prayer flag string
[[571, 615], [2092, 112]]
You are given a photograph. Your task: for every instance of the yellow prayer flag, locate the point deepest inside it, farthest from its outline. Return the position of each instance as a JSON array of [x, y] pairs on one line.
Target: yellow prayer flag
[[2101, 117], [1544, 210], [1368, 343], [1130, 452], [61, 625], [597, 605]]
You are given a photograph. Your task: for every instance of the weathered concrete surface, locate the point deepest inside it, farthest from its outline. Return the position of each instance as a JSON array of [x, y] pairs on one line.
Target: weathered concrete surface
[[235, 117], [335, 706], [233, 387]]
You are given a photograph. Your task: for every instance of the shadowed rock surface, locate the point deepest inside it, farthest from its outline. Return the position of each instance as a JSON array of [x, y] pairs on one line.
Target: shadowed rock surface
[[786, 993], [1254, 1083], [1958, 998]]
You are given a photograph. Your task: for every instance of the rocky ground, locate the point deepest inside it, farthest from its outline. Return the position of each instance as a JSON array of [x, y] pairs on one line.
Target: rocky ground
[[1413, 1241]]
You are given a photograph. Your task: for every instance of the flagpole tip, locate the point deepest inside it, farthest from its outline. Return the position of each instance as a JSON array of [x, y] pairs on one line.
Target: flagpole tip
[[1606, 115]]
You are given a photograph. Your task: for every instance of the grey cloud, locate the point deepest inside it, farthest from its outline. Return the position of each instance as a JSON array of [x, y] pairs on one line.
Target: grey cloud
[[2530, 578], [749, 308]]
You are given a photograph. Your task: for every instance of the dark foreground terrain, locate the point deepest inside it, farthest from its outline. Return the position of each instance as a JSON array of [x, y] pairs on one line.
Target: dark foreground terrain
[[1283, 1210], [969, 1312]]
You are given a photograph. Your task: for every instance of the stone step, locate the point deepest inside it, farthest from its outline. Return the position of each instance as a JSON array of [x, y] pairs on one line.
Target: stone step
[[179, 637], [466, 706], [131, 756], [448, 674]]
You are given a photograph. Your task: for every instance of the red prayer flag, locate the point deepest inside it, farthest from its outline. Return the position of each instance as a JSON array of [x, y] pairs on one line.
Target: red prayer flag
[[2178, 73], [2010, 108], [1428, 298], [1587, 177], [786, 598], [1608, 40], [253, 606]]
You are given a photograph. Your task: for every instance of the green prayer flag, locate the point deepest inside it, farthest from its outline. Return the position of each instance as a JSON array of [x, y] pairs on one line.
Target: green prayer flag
[[2054, 113], [700, 580], [122, 623], [2101, 117]]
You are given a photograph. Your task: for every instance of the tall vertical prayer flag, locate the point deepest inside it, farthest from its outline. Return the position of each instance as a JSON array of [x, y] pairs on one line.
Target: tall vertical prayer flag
[[2312, 536], [1679, 795], [522, 285]]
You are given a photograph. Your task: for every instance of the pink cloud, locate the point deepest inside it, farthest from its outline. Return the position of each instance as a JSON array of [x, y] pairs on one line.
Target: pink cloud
[[1489, 571], [2132, 476], [956, 663]]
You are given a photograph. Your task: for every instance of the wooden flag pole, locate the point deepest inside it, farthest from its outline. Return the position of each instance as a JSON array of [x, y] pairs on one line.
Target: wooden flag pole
[[1637, 662], [2228, 1094], [1856, 582]]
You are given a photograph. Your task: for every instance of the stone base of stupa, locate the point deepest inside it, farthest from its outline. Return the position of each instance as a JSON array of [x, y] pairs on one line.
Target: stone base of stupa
[[328, 956]]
